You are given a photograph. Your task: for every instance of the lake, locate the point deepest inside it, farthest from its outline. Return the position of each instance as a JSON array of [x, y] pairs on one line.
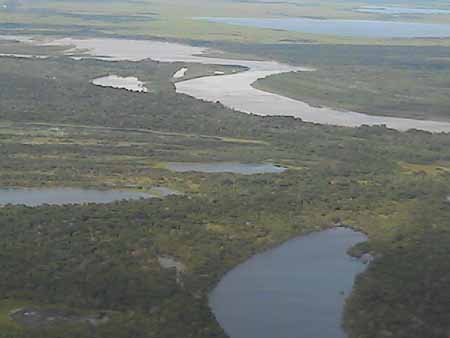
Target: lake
[[394, 10], [296, 290], [343, 28], [130, 83], [61, 196], [226, 167]]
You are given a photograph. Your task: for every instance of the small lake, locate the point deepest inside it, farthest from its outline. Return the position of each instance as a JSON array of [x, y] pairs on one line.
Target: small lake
[[61, 196], [226, 167], [295, 290], [394, 10], [129, 83], [344, 28], [235, 90]]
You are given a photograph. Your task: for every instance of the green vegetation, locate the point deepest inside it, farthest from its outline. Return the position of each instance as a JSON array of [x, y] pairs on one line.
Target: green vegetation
[[407, 82], [174, 19], [375, 91], [57, 129]]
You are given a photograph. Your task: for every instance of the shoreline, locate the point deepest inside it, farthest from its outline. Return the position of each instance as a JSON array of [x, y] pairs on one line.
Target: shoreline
[[235, 91]]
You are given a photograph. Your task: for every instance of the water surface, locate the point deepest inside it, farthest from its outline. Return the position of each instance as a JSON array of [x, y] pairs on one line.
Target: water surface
[[395, 10], [228, 167], [130, 83], [343, 28], [235, 90], [61, 196], [297, 290]]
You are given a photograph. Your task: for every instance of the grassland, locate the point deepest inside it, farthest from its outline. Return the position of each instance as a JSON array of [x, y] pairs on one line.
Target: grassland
[[57, 129]]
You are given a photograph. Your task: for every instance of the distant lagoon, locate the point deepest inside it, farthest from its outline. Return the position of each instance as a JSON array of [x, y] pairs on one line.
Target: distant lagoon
[[343, 28], [395, 10]]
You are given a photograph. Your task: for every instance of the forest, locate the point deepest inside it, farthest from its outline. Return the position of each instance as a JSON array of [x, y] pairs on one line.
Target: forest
[[94, 269]]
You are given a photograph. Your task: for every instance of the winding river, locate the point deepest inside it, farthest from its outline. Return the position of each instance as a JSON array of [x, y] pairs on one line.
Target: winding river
[[296, 290], [235, 90]]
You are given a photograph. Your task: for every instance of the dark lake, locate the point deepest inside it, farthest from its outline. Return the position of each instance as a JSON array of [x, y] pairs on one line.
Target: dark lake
[[297, 290]]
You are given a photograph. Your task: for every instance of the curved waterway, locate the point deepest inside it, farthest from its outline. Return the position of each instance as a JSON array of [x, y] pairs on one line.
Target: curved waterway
[[235, 90], [297, 290]]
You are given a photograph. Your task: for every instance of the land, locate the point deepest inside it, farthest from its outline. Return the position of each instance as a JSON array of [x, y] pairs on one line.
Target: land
[[95, 269], [410, 82], [175, 19], [392, 77], [102, 261]]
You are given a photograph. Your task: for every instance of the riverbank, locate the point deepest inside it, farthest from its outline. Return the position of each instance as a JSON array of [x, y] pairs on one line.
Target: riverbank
[[105, 258], [236, 90]]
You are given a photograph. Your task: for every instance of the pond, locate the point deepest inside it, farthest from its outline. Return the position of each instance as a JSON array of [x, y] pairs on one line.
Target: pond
[[235, 90], [129, 83], [295, 290], [61, 196], [343, 28], [226, 167]]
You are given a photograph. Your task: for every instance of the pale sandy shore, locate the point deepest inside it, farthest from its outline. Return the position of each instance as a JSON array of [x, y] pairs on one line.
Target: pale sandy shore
[[235, 90]]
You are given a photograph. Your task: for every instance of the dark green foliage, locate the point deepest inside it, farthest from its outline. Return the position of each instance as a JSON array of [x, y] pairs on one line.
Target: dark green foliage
[[104, 258]]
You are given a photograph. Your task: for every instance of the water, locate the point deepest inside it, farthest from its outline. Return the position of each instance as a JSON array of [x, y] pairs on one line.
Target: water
[[235, 90], [394, 10], [343, 28], [113, 81], [297, 290], [229, 167], [61, 196], [180, 73]]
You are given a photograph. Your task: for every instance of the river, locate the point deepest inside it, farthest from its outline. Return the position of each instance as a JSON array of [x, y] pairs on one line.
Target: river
[[235, 90]]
